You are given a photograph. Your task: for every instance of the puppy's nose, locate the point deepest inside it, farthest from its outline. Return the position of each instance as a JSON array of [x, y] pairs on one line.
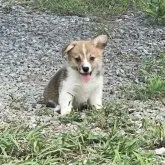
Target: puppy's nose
[[85, 69]]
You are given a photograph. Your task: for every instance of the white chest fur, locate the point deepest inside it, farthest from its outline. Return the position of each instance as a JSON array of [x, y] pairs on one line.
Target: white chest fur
[[74, 89], [83, 91]]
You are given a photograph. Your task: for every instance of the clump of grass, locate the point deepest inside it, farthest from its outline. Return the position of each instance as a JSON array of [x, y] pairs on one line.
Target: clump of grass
[[83, 7], [155, 9], [154, 88], [157, 129], [68, 7], [154, 65], [108, 136], [152, 77]]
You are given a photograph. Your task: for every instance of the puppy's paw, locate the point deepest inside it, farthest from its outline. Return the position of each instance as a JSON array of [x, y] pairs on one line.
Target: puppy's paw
[[57, 109], [65, 111], [98, 106], [51, 104]]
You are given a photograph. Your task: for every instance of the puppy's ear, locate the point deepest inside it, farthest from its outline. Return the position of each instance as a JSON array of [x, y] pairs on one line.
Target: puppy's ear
[[68, 47], [100, 41]]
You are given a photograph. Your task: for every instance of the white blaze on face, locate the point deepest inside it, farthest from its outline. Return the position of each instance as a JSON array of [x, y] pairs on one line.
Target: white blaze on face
[[86, 64], [85, 77], [85, 61]]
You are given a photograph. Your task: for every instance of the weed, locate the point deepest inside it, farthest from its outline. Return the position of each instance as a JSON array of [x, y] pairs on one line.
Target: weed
[[155, 9], [83, 7], [154, 88], [152, 77], [154, 65]]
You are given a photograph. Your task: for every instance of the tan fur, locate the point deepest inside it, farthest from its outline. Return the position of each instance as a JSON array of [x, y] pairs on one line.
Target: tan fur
[[86, 49]]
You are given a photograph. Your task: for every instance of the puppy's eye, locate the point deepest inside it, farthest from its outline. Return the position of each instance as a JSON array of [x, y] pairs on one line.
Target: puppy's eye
[[92, 58], [78, 59]]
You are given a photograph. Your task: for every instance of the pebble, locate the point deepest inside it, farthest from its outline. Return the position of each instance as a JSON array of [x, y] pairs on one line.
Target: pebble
[[160, 151]]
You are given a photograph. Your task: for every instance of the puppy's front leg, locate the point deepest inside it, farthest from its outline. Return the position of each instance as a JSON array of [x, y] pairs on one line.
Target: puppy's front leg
[[65, 101], [96, 98]]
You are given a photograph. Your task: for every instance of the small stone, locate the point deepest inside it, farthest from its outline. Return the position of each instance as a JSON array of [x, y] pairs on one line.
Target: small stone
[[125, 17], [118, 20], [160, 151]]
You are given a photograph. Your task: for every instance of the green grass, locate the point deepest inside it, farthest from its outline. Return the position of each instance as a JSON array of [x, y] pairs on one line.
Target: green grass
[[102, 8], [84, 7], [155, 9], [154, 88], [95, 7], [152, 73], [153, 65], [152, 77], [106, 137]]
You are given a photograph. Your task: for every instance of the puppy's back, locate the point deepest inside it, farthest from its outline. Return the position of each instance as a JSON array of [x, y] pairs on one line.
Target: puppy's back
[[51, 93]]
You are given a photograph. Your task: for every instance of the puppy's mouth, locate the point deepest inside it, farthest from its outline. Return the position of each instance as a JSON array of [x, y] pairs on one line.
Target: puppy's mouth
[[85, 77]]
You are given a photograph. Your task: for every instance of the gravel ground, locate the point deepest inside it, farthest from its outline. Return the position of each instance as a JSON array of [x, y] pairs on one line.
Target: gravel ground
[[30, 53]]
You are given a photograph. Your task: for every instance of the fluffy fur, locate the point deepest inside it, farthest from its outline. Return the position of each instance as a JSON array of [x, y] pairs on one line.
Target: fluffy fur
[[81, 81]]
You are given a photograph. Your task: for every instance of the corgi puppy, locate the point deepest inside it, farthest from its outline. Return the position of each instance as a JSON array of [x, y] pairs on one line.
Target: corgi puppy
[[81, 80]]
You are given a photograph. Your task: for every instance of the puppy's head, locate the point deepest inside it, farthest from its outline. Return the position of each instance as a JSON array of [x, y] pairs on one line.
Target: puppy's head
[[85, 56]]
